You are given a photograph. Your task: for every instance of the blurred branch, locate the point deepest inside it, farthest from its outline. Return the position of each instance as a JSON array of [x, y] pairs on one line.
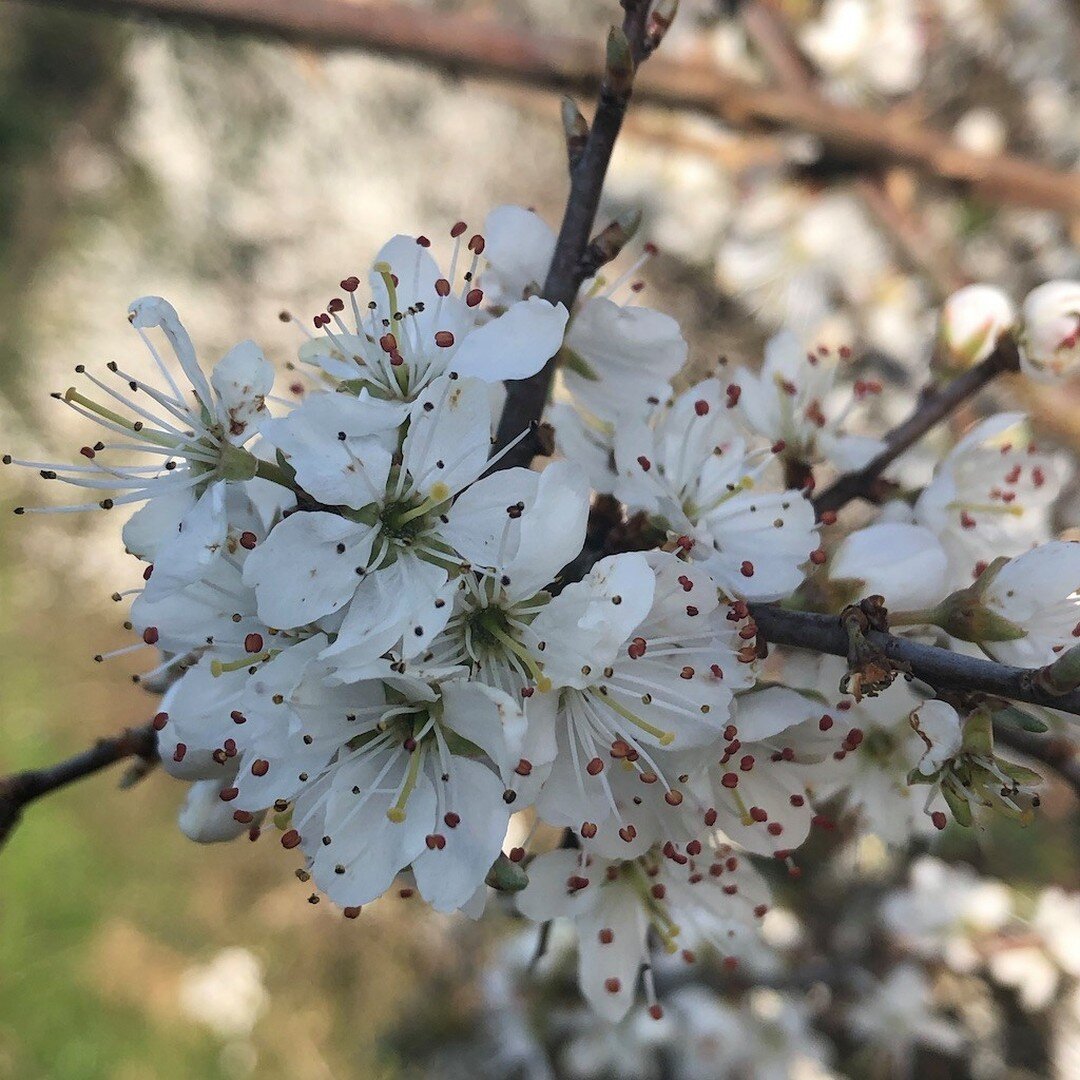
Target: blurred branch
[[627, 49], [933, 407], [769, 30], [489, 50], [20, 789], [937, 667]]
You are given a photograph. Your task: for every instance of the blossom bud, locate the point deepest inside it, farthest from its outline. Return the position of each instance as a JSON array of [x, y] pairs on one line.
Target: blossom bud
[[938, 725], [973, 320], [620, 63], [1050, 334]]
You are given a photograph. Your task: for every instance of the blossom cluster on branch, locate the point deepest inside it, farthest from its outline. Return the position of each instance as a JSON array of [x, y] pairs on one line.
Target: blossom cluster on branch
[[378, 647]]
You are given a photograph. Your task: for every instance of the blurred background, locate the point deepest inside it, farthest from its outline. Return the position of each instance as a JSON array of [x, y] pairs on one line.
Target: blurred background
[[238, 177]]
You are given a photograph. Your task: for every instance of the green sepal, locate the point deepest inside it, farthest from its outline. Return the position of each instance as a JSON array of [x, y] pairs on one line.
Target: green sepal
[[237, 463], [506, 876], [961, 810]]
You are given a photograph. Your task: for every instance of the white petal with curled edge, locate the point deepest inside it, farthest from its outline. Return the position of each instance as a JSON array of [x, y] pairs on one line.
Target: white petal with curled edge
[[241, 379], [205, 819], [513, 345], [764, 713], [153, 311], [448, 877], [904, 563], [488, 718], [608, 970], [298, 572]]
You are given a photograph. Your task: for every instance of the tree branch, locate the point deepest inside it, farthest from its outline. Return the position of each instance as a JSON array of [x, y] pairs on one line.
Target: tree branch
[[940, 668], [20, 789], [526, 398], [933, 407], [486, 49]]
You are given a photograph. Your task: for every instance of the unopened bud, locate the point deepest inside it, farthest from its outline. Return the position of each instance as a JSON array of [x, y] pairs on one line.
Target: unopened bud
[[660, 19], [1050, 332], [619, 68], [576, 130], [973, 320]]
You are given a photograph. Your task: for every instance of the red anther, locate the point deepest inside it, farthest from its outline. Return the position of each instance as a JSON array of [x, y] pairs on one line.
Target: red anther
[[290, 839], [797, 800], [758, 814], [747, 654], [787, 754], [693, 848], [734, 392], [939, 819], [1013, 475], [595, 767], [612, 985], [476, 244], [636, 649], [730, 732], [452, 820], [619, 749], [650, 248], [691, 610], [748, 631], [435, 841], [730, 780], [644, 462], [248, 540], [606, 935], [739, 609], [731, 890], [658, 891], [245, 817], [774, 828], [817, 556], [1038, 477], [716, 869], [260, 767], [788, 387], [351, 283], [845, 352], [684, 543], [701, 407], [627, 833], [828, 517], [686, 582], [336, 305], [747, 568], [423, 241], [686, 673], [688, 955], [444, 339], [150, 635], [253, 643], [716, 671], [147, 572], [388, 343], [732, 863], [575, 883], [779, 446], [747, 763], [406, 894], [458, 229], [229, 746], [180, 751], [673, 797], [160, 720], [88, 452], [237, 717], [351, 912], [966, 520], [656, 1012], [637, 286], [820, 821], [228, 794], [839, 755], [825, 722], [527, 691], [730, 963], [473, 297], [588, 829], [523, 767], [854, 739], [710, 817], [648, 777]]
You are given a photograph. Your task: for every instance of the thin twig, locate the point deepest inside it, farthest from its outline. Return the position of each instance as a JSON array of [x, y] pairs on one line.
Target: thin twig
[[20, 789], [487, 49], [933, 407], [940, 668], [526, 398]]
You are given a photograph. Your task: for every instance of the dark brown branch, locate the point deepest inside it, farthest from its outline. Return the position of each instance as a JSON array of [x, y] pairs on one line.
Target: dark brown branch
[[940, 668], [20, 789], [489, 50], [526, 398], [933, 407]]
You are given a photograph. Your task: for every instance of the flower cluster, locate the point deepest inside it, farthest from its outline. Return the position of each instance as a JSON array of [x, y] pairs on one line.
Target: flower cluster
[[385, 646]]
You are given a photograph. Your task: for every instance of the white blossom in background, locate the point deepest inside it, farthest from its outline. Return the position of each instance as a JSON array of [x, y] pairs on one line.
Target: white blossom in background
[[1050, 331], [973, 320]]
